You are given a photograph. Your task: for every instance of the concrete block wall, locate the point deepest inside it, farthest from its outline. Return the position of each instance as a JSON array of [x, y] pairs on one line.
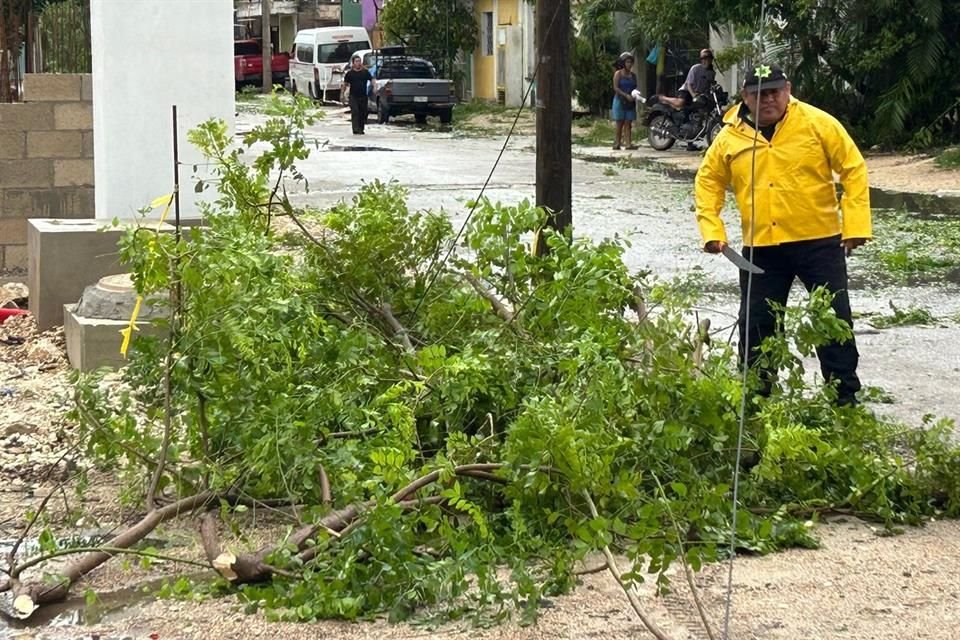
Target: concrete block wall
[[46, 159]]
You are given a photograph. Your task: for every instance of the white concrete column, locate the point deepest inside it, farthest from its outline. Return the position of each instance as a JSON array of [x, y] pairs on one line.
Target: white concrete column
[[722, 37], [148, 56]]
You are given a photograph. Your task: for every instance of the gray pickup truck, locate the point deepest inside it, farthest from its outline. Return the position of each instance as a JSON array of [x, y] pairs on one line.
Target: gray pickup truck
[[407, 84]]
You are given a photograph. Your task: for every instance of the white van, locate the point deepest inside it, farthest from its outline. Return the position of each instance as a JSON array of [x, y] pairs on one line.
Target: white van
[[319, 56]]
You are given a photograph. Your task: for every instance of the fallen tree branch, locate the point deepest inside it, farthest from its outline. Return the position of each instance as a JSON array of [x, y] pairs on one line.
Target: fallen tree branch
[[628, 589], [498, 306], [638, 305], [702, 340], [252, 567], [386, 312], [687, 572], [28, 596], [325, 495]]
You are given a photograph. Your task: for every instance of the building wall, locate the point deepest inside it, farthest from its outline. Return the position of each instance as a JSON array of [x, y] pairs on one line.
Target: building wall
[[46, 159], [484, 67], [504, 75], [140, 74]]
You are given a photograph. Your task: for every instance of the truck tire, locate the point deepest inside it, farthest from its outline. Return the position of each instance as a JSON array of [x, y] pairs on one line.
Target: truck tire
[[420, 118], [383, 113], [446, 116]]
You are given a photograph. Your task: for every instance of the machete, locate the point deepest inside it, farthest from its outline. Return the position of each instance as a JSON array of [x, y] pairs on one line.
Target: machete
[[741, 262]]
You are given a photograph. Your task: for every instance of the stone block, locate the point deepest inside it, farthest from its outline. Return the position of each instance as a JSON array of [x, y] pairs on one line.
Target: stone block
[[15, 257], [73, 173], [26, 116], [13, 230], [12, 145], [87, 145], [65, 202], [51, 87], [64, 256], [86, 87], [35, 172], [77, 115], [93, 343], [54, 144]]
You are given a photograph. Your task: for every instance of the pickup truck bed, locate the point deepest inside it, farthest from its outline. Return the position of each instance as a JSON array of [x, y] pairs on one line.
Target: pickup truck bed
[[410, 85], [248, 63]]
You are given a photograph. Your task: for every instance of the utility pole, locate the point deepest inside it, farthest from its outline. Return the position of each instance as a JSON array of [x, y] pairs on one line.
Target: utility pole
[[554, 113], [267, 46]]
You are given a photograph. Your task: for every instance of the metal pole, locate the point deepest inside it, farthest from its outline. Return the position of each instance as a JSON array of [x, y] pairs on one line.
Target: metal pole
[[176, 177]]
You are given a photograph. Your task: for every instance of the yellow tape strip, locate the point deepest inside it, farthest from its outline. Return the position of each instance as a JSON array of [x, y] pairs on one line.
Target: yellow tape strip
[[127, 332]]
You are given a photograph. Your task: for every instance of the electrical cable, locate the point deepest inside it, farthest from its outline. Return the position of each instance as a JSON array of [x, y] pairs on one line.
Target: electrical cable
[[745, 338], [486, 183]]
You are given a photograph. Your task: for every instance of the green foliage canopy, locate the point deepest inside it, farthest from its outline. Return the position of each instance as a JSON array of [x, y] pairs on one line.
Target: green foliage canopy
[[441, 29]]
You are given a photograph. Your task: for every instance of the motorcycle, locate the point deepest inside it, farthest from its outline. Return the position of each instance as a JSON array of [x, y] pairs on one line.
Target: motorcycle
[[702, 120]]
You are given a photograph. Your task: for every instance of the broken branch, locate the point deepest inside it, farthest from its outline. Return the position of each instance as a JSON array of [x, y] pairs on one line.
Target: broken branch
[[628, 589], [498, 306]]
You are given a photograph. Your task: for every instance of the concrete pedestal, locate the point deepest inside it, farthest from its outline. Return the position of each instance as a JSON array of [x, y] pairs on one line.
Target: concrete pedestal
[[92, 327], [64, 256], [93, 343]]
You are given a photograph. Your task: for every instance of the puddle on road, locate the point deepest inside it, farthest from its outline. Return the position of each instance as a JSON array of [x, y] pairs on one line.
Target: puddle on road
[[334, 147], [109, 606]]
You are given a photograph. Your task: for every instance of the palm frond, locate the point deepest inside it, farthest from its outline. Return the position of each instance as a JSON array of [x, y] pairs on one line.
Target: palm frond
[[923, 59], [930, 11]]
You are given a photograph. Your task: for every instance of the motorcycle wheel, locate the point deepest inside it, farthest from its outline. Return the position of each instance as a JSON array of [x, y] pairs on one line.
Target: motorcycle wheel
[[713, 132], [657, 134]]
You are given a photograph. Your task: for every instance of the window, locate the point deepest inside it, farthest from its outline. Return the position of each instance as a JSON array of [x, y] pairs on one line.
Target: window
[[246, 48], [338, 53], [406, 68], [304, 53], [486, 33]]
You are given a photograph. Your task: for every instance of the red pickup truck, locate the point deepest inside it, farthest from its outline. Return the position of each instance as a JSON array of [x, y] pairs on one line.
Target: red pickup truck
[[248, 63]]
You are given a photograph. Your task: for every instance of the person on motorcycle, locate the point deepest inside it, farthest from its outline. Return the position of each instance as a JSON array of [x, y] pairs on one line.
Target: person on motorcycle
[[699, 79]]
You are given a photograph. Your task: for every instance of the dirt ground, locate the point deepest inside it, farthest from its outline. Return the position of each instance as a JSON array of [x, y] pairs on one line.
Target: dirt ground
[[858, 585]]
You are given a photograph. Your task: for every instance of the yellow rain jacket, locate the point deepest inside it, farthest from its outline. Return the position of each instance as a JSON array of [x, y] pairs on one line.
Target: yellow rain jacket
[[796, 198]]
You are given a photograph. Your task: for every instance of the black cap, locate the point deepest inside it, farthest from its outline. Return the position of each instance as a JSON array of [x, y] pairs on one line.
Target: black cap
[[765, 77]]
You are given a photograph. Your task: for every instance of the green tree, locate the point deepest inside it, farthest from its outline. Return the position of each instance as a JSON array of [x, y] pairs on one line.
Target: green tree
[[14, 19], [441, 29], [594, 51]]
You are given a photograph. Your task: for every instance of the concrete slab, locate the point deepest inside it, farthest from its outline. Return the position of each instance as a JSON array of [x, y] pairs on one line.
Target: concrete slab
[[93, 343], [64, 256]]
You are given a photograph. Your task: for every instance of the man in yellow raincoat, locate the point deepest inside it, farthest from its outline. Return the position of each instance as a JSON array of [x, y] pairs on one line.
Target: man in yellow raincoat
[[799, 229]]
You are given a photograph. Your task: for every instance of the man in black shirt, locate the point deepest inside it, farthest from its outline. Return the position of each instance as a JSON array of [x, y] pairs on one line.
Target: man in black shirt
[[356, 78]]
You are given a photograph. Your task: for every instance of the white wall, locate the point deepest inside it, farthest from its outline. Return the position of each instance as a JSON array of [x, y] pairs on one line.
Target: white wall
[[721, 37], [147, 56]]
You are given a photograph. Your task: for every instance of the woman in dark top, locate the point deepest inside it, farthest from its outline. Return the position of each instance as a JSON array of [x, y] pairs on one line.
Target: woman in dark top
[[356, 78], [624, 110]]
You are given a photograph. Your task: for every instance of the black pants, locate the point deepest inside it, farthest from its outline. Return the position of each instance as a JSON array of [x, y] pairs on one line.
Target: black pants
[[358, 112], [817, 263]]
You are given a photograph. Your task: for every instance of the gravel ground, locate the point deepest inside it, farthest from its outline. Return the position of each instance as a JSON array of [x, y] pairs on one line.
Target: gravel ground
[[859, 585]]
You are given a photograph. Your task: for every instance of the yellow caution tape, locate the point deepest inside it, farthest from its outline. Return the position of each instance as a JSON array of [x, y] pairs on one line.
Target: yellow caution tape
[[127, 332]]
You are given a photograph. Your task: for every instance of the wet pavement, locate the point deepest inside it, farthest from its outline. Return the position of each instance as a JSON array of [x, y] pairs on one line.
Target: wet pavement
[[615, 193]]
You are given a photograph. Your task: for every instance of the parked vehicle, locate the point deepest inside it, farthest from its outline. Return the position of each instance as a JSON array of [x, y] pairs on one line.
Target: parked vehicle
[[318, 57], [248, 63], [408, 84], [702, 120]]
